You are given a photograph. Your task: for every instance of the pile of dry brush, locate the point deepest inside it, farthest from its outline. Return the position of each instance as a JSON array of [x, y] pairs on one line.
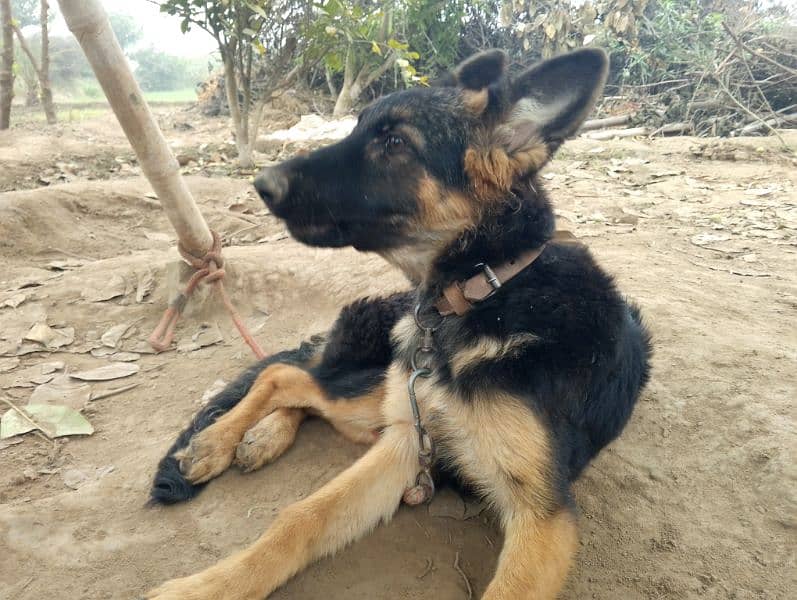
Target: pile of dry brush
[[749, 89]]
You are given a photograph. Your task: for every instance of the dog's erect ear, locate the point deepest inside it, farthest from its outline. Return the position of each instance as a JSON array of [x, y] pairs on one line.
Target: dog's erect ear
[[475, 73], [480, 70], [529, 117], [557, 95]]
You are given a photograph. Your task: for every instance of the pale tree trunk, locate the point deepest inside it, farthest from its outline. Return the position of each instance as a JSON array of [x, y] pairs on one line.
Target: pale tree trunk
[[239, 120], [89, 23], [44, 84], [31, 92], [6, 64], [44, 71], [353, 87], [355, 84]]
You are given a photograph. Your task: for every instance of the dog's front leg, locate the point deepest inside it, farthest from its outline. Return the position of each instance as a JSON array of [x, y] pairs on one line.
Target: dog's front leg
[[536, 556], [344, 509]]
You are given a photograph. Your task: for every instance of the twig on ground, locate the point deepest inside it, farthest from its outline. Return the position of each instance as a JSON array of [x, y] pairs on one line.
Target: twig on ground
[[464, 577], [427, 569], [113, 392], [39, 428]]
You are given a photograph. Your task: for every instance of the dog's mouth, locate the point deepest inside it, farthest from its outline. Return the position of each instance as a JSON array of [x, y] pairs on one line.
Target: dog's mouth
[[329, 235], [362, 235]]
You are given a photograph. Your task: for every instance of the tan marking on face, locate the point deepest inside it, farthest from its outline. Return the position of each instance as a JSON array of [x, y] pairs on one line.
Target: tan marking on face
[[443, 210], [494, 165], [487, 348], [411, 134], [475, 101]]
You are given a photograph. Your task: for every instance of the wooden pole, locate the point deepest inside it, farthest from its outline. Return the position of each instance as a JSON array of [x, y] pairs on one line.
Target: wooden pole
[[88, 22]]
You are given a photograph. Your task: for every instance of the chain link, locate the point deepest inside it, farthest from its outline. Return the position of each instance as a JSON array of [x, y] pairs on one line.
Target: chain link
[[421, 362]]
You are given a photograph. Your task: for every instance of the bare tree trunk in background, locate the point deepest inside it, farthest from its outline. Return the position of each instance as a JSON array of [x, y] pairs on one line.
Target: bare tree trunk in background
[[44, 78], [44, 70], [245, 159], [354, 84], [6, 65]]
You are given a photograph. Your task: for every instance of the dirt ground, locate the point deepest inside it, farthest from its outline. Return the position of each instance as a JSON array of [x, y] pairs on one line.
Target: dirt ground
[[695, 500]]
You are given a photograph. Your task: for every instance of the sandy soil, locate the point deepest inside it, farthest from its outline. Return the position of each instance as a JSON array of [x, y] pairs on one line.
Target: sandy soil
[[696, 500]]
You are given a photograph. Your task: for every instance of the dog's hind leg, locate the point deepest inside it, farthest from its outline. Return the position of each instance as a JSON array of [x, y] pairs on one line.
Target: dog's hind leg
[[346, 508]]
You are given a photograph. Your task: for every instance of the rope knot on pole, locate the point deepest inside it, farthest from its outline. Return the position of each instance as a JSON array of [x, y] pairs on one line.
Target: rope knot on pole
[[209, 269]]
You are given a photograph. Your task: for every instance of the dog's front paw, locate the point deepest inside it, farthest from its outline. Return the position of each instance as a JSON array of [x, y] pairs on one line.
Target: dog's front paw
[[202, 586], [207, 455]]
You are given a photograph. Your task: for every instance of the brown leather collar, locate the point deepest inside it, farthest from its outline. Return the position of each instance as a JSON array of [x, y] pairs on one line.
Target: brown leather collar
[[459, 297]]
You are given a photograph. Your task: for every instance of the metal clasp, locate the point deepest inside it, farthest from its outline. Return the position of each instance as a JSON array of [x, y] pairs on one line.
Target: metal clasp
[[490, 276]]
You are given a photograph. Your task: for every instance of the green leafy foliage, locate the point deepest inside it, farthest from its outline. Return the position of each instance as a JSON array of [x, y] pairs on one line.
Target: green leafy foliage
[[127, 29], [159, 71]]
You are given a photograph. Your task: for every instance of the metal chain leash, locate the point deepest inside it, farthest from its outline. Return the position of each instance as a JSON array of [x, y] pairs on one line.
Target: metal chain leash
[[421, 362]]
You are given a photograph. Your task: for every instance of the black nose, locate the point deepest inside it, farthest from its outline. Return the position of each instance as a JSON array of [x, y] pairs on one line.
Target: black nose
[[272, 185]]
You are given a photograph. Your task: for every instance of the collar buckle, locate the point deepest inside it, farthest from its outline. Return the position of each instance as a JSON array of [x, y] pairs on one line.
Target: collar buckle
[[490, 276]]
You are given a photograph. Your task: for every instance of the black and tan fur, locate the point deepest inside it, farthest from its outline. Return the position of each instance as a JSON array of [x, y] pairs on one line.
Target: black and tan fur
[[527, 387]]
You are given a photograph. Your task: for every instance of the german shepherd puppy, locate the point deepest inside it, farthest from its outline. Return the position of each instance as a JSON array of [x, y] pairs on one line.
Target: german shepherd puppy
[[531, 360]]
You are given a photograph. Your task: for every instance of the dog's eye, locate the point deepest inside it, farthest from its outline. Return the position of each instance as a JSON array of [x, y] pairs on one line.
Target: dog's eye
[[393, 142]]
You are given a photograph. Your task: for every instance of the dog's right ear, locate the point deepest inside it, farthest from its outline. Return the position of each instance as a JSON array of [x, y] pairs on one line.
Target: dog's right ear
[[474, 76], [476, 72]]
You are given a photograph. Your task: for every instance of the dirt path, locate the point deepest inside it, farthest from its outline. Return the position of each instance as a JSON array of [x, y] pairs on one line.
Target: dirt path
[[696, 500]]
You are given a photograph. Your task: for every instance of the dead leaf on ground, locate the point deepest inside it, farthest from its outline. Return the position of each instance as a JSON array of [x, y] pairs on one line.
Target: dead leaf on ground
[[8, 364], [114, 336], [50, 338], [704, 239], [62, 390], [157, 236], [65, 265], [58, 421], [36, 374], [113, 288], [14, 301], [208, 335], [125, 356], [33, 277], [76, 478], [116, 370], [144, 286]]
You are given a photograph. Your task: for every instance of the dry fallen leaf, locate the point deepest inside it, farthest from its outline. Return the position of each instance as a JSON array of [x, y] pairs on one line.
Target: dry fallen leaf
[[50, 338], [115, 334], [146, 282], [116, 370], [62, 390], [8, 364], [113, 288], [57, 420], [14, 301]]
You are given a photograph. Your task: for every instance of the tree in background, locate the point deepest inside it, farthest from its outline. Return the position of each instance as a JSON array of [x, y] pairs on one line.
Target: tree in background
[[42, 67], [127, 30], [259, 49], [158, 71], [365, 42], [26, 13], [6, 64]]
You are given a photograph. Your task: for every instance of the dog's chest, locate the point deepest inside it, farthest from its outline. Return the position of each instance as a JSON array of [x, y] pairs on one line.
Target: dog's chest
[[491, 439]]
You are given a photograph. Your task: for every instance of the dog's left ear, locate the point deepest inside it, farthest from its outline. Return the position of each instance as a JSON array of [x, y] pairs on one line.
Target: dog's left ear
[[528, 117], [554, 97]]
